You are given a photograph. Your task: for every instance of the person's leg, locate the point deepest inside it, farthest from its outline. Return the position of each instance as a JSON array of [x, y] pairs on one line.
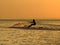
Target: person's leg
[[31, 25]]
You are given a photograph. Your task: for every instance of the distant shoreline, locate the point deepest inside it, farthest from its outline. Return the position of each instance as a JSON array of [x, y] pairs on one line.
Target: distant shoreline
[[29, 19]]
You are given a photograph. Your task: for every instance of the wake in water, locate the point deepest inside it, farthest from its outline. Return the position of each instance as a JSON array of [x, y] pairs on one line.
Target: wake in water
[[41, 27], [36, 25]]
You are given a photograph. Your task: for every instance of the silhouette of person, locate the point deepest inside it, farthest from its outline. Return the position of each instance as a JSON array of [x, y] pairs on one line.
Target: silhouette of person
[[33, 23]]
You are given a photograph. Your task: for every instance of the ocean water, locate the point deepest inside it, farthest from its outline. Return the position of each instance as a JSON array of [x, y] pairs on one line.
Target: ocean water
[[50, 24], [39, 22], [12, 36]]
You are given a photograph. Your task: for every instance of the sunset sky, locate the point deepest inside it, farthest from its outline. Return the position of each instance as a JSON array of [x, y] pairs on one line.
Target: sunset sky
[[29, 9]]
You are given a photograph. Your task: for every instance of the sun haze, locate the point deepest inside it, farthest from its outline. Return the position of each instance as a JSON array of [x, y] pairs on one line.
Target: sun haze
[[39, 9]]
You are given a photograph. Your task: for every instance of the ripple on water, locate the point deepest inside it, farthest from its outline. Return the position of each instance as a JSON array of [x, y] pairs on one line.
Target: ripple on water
[[28, 37]]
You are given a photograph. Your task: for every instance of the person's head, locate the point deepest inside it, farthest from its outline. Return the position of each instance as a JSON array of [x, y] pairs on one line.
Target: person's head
[[33, 19]]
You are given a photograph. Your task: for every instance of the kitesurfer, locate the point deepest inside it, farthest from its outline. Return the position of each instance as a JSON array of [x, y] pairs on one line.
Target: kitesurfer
[[33, 23]]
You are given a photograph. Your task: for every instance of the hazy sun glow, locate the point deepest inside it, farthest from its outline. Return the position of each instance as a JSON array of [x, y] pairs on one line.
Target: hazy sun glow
[[39, 9]]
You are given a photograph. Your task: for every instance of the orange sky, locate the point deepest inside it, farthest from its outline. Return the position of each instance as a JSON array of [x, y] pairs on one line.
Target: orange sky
[[39, 9]]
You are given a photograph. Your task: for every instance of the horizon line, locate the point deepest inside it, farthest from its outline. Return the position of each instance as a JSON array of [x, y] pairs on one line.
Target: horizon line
[[28, 19]]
